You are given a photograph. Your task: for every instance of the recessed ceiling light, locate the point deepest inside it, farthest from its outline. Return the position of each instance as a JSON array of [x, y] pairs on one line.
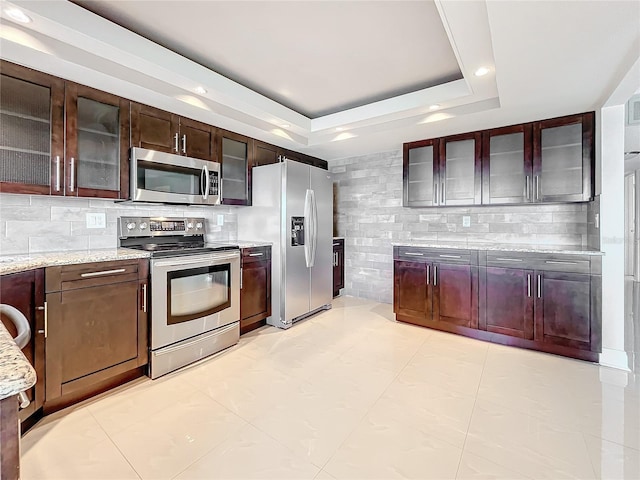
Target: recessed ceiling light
[[285, 125], [435, 106], [340, 129], [200, 90], [481, 71], [17, 15]]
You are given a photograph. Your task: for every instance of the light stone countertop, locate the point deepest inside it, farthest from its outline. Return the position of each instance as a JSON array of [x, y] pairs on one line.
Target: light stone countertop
[[21, 263], [338, 238], [16, 373], [250, 244], [504, 247]]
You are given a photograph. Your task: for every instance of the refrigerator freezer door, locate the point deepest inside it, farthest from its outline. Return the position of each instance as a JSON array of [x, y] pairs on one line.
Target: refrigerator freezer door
[[296, 278], [322, 256]]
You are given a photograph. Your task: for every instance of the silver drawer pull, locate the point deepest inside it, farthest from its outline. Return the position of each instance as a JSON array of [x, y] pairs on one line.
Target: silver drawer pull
[[450, 256], [104, 272], [415, 254], [336, 244], [256, 254], [558, 262], [509, 259]]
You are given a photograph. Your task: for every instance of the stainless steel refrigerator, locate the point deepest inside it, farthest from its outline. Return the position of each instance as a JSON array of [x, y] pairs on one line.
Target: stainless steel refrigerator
[[292, 207]]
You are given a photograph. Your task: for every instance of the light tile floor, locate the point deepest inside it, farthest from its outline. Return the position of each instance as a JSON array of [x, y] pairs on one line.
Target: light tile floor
[[352, 394]]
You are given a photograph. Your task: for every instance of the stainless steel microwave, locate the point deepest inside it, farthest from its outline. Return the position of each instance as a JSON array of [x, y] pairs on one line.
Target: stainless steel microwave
[[169, 178]]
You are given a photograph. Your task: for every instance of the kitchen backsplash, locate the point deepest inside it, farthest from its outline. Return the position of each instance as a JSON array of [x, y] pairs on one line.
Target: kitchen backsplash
[[369, 214], [38, 223]]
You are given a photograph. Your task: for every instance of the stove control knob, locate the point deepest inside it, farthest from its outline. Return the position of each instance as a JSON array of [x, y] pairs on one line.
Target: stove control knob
[[131, 226], [189, 226], [143, 226], [198, 225]]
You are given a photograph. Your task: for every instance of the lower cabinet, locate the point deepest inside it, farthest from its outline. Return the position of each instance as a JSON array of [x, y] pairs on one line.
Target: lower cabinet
[[338, 265], [542, 302], [96, 328], [438, 290], [25, 291], [255, 288]]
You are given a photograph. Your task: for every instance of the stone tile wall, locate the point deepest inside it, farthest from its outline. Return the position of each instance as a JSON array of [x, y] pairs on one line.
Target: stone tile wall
[[38, 223], [369, 214]]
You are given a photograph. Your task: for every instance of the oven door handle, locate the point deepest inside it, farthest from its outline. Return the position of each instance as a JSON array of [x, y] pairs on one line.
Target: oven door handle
[[182, 261]]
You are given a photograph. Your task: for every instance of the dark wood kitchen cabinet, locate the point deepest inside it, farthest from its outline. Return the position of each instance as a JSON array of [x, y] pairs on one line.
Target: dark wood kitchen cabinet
[[551, 302], [265, 153], [435, 288], [338, 265], [25, 291], [97, 143], [255, 288], [96, 329], [61, 138], [31, 131], [549, 161], [167, 132], [236, 155]]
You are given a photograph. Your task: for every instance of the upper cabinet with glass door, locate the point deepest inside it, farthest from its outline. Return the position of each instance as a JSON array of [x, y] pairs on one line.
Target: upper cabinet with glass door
[[460, 172], [506, 165], [236, 153], [97, 141], [31, 131], [563, 159], [420, 173]]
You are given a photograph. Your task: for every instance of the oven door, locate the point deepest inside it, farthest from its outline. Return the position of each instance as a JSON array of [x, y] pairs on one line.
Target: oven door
[[194, 294]]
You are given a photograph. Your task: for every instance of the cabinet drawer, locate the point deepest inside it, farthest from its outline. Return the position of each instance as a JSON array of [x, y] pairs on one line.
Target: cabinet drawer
[[539, 261], [337, 243], [70, 277], [255, 254], [447, 255]]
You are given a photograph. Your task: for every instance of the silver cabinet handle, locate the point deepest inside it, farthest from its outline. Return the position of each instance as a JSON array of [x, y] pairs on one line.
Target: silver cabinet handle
[[449, 256], [435, 194], [529, 285], [435, 275], [526, 187], [539, 285], [428, 274], [144, 297], [442, 194], [256, 254], [103, 272], [415, 254], [57, 173], [559, 262], [72, 175], [537, 187], [509, 259], [184, 143], [46, 319], [336, 244], [175, 142], [240, 278]]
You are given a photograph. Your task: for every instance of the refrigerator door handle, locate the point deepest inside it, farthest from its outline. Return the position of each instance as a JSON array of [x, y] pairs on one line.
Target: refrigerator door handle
[[307, 227], [314, 226]]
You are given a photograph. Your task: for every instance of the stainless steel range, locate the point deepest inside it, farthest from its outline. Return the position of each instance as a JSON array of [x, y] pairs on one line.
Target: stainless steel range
[[195, 289]]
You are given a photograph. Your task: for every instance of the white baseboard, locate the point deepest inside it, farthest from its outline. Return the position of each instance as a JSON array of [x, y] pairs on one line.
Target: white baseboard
[[615, 359]]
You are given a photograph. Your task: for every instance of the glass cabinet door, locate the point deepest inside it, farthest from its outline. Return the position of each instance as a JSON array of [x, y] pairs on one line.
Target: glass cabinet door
[[420, 163], [506, 165], [562, 159], [97, 140], [31, 131], [236, 159], [460, 170]]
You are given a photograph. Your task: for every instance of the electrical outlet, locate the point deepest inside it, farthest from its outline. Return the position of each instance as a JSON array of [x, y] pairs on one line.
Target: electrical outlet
[[96, 220], [220, 220], [466, 221]]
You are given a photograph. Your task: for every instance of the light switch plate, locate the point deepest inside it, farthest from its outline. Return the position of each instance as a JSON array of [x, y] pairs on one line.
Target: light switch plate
[[466, 221], [96, 220], [220, 220]]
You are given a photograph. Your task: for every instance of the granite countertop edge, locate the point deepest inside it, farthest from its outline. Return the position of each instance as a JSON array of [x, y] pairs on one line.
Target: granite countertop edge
[[250, 244], [23, 262], [16, 373], [559, 249]]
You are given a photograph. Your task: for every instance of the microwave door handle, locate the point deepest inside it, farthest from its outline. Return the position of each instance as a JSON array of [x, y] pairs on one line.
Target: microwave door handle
[[205, 172]]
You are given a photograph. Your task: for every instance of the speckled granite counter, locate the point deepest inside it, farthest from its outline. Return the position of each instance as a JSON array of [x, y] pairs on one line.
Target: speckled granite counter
[[20, 263], [248, 244], [563, 249], [16, 373]]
